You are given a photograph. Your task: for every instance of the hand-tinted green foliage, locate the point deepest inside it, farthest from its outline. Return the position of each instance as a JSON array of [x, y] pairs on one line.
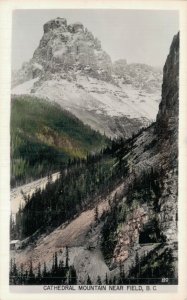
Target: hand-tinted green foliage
[[44, 137], [80, 182], [76, 188]]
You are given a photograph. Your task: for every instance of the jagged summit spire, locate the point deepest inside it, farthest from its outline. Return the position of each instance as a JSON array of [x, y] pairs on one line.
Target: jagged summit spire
[[67, 47], [55, 23], [61, 23]]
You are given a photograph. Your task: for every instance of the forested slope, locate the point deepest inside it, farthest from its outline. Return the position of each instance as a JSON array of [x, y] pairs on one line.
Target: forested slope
[[44, 137]]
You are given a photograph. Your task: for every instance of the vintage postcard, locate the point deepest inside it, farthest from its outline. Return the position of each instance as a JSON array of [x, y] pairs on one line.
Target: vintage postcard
[[94, 200]]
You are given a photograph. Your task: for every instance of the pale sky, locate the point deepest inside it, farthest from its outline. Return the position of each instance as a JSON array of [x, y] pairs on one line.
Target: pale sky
[[142, 36]]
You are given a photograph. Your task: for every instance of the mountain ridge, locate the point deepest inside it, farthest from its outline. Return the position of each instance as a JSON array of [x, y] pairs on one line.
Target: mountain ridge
[[70, 68]]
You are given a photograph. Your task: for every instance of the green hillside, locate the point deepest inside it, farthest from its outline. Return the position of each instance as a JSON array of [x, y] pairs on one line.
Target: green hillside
[[44, 137]]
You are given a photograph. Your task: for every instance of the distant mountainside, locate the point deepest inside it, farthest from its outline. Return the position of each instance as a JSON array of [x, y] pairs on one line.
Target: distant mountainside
[[140, 76], [115, 219], [70, 68], [44, 137]]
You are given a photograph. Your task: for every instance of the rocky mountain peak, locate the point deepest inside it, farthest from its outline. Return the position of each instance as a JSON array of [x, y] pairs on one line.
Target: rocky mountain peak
[[56, 23], [76, 27], [61, 24], [70, 67], [71, 47]]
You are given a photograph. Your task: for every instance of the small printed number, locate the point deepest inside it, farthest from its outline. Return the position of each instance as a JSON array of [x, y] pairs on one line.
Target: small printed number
[[164, 279]]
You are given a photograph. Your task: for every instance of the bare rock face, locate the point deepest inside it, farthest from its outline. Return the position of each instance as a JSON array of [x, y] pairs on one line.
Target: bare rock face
[[167, 118], [168, 215], [71, 48], [142, 76], [76, 27], [58, 22], [128, 237]]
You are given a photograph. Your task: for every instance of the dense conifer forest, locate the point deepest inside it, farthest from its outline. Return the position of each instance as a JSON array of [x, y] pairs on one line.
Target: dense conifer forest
[[61, 272], [44, 137], [148, 270], [79, 183], [77, 186]]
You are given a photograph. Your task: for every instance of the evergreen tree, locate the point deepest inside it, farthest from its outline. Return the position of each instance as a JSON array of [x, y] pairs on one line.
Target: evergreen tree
[[11, 271], [39, 276], [56, 262], [96, 214], [31, 274], [67, 257], [26, 279], [137, 264], [21, 274], [13, 232], [44, 273], [122, 273], [99, 282], [89, 282], [114, 280], [72, 275], [53, 264], [11, 266], [106, 279], [15, 273]]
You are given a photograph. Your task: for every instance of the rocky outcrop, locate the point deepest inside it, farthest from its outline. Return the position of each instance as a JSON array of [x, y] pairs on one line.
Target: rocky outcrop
[[167, 118], [71, 48], [142, 76], [128, 237], [168, 207], [158, 147], [54, 24], [66, 48]]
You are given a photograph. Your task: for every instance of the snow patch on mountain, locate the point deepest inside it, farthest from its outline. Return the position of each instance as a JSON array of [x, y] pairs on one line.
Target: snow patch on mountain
[[70, 67], [24, 88], [86, 93]]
